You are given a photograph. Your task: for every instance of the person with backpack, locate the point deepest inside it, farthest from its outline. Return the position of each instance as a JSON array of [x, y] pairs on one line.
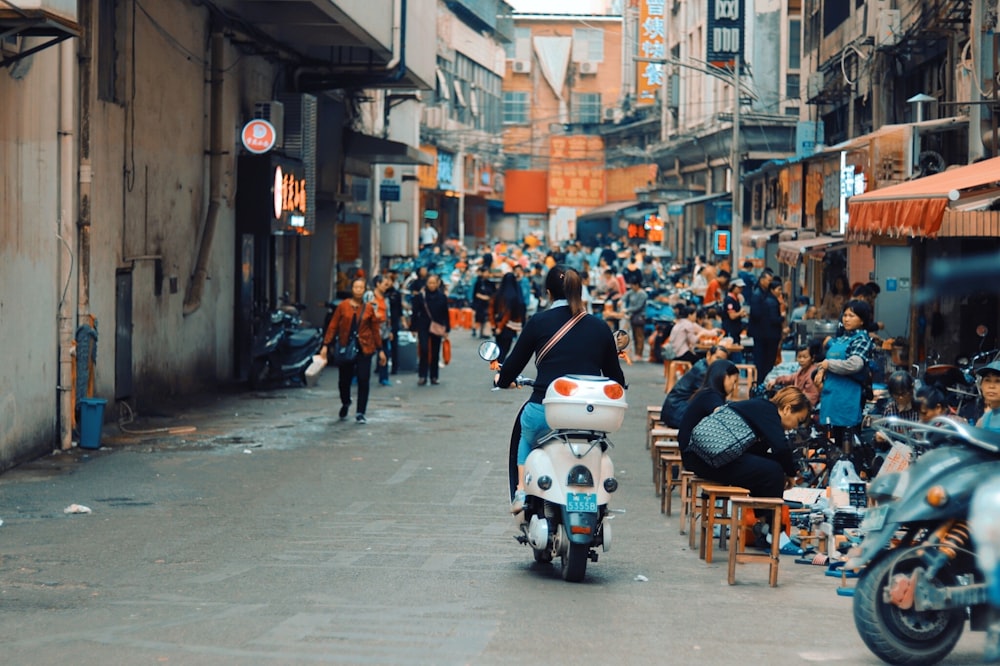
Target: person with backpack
[[845, 372]]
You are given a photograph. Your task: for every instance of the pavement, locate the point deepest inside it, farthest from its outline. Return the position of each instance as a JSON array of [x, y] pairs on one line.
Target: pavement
[[254, 527]]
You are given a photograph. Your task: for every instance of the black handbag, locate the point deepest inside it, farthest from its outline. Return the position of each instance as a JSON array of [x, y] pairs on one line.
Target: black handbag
[[346, 354], [721, 437]]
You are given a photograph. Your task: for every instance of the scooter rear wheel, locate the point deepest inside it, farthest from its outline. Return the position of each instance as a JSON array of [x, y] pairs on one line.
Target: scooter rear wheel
[[574, 562]]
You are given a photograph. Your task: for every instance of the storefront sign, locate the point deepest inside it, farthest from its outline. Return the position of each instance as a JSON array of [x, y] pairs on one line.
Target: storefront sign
[[725, 33], [576, 172], [258, 136], [389, 190], [720, 242], [652, 44], [289, 198]]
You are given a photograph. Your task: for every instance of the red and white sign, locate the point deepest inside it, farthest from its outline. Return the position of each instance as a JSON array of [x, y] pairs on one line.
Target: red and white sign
[[258, 136]]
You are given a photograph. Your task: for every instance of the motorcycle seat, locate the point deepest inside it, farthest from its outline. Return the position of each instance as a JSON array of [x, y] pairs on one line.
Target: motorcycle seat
[[302, 338]]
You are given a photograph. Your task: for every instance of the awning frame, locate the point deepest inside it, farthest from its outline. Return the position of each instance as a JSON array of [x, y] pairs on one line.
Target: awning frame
[[791, 253]]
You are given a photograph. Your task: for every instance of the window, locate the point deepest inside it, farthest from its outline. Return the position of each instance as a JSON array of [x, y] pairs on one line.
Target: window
[[586, 108], [517, 161], [792, 87], [520, 48], [794, 44], [515, 107], [588, 44]]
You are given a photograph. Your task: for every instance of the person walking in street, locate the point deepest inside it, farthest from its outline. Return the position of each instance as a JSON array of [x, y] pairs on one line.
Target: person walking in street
[[769, 331], [482, 292], [380, 302], [634, 305], [428, 235], [350, 313], [586, 347], [843, 373], [734, 314], [395, 299], [506, 313], [432, 324]]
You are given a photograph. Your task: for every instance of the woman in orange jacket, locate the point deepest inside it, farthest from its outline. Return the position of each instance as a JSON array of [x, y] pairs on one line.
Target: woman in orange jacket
[[353, 311]]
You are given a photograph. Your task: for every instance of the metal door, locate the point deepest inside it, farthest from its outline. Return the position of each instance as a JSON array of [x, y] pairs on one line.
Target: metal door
[[893, 273]]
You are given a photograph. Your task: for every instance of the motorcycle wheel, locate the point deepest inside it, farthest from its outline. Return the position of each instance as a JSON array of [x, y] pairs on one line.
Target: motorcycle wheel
[[574, 562], [900, 636]]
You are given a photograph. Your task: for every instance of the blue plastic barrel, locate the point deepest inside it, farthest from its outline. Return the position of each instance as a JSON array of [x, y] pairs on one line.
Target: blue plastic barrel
[[91, 422]]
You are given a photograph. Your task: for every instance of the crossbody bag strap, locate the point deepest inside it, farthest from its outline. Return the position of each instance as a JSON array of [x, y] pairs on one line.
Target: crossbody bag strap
[[558, 336], [426, 309]]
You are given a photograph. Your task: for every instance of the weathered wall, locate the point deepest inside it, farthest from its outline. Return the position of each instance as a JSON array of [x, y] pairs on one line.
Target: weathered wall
[[29, 249]]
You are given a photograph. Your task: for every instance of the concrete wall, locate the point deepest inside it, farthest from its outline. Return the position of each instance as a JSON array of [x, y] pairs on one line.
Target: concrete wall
[[29, 251]]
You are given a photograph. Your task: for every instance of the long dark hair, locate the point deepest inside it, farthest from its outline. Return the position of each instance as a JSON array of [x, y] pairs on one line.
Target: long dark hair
[[862, 309], [715, 378], [564, 282], [508, 299]]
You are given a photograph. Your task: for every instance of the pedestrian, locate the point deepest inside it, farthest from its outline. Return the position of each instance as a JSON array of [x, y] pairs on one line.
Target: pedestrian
[[380, 301], [832, 304], [482, 291], [634, 305], [354, 312], [586, 347], [988, 378], [428, 235], [734, 314], [395, 298], [769, 331], [844, 372], [506, 313], [430, 307]]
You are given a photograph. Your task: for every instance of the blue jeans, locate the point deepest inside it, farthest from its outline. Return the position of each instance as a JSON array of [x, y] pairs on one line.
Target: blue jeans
[[533, 426]]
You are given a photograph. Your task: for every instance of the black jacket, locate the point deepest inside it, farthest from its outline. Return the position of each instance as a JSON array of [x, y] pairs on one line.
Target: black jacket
[[437, 303], [587, 349], [762, 415], [676, 402]]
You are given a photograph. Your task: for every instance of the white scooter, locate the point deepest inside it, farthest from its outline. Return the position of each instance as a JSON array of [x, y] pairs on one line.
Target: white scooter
[[569, 476]]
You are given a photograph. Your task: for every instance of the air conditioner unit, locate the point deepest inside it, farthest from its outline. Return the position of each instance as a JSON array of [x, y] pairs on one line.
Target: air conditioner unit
[[521, 66], [274, 113], [613, 114], [588, 67], [889, 28], [433, 116]]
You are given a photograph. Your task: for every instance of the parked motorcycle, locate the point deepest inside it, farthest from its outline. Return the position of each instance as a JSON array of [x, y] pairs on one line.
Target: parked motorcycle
[[984, 523], [918, 576], [282, 348], [569, 475]]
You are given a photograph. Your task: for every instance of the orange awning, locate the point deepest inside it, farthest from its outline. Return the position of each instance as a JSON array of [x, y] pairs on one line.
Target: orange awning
[[791, 252], [916, 208]]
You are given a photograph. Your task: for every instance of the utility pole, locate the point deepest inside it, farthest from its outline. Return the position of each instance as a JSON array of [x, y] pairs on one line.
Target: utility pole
[[735, 163], [460, 183]]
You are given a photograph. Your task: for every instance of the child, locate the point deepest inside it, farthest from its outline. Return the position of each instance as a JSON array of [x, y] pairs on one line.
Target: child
[[989, 387], [803, 378]]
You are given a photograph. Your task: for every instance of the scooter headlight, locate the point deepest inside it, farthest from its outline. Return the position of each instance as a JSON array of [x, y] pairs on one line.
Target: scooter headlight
[[580, 476], [545, 482], [611, 484]]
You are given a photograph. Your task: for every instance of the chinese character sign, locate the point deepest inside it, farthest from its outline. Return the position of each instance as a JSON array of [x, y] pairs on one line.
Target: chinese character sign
[[652, 44], [725, 32], [576, 171]]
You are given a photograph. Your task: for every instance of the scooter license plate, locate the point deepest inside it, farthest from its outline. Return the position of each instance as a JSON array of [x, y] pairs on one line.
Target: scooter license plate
[[874, 518], [583, 502]]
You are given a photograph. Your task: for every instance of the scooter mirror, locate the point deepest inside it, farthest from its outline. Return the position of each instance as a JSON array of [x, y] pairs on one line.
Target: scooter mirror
[[489, 351], [981, 330], [622, 339]]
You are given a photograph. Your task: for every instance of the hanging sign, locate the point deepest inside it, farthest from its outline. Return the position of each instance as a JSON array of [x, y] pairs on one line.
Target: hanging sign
[[652, 44], [258, 136], [720, 242], [725, 33]]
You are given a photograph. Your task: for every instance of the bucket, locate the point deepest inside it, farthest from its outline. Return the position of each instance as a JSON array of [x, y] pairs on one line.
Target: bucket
[[91, 422]]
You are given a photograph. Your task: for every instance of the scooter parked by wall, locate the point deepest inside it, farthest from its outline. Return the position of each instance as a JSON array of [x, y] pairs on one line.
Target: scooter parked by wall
[[282, 348], [569, 475], [918, 575]]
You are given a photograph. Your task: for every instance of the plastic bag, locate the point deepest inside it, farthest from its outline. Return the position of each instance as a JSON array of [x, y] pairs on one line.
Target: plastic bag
[[314, 369], [841, 478]]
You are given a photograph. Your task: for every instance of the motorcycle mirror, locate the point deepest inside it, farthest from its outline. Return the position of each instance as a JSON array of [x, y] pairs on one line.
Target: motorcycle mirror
[[982, 331], [962, 361], [489, 350], [622, 339]]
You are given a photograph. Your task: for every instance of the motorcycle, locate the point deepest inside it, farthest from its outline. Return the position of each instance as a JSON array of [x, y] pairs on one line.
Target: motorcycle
[[282, 349], [569, 475], [918, 577], [984, 523]]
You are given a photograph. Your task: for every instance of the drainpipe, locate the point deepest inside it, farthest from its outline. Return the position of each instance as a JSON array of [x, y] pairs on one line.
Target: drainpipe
[[85, 171], [193, 299], [395, 68], [65, 234]]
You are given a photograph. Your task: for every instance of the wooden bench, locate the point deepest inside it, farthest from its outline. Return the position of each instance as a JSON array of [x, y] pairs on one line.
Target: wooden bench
[[671, 467], [738, 549], [652, 420], [662, 439]]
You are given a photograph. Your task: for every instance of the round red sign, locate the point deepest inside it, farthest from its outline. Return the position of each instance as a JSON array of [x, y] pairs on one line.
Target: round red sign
[[258, 136]]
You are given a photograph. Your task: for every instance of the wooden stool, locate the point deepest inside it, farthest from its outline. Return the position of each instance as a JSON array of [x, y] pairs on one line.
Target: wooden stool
[[712, 515], [670, 471], [738, 551], [694, 488], [688, 480], [652, 418], [664, 439], [674, 372]]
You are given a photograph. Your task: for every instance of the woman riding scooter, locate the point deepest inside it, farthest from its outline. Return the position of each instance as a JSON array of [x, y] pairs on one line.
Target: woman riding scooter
[[584, 345]]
